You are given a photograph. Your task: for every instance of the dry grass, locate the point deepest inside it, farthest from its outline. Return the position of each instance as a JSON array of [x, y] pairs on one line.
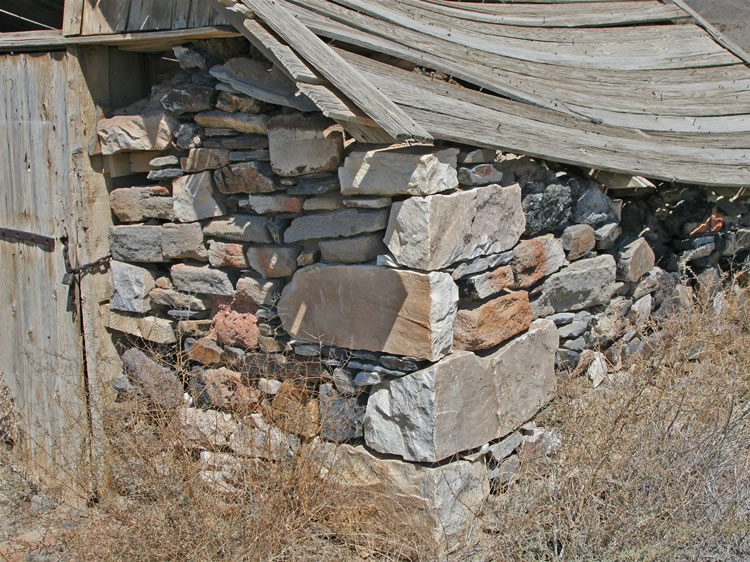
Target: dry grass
[[655, 464], [8, 416], [171, 501]]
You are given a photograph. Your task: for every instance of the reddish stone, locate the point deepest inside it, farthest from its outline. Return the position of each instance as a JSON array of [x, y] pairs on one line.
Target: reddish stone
[[578, 240], [492, 322], [490, 283], [536, 258], [273, 261], [222, 254], [235, 324]]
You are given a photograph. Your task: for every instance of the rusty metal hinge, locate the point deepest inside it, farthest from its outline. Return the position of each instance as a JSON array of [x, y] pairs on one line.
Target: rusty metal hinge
[[39, 239]]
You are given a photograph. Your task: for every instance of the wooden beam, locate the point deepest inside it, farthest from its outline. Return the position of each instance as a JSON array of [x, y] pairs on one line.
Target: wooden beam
[[55, 40], [341, 75], [673, 92], [269, 45]]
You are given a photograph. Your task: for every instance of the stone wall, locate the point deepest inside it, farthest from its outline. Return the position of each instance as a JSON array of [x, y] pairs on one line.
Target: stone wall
[[410, 303]]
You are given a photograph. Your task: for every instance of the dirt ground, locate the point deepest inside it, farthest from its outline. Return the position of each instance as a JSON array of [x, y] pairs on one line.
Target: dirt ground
[[31, 525]]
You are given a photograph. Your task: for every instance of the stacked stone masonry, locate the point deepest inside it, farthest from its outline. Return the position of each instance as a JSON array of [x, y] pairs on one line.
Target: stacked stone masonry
[[403, 302]]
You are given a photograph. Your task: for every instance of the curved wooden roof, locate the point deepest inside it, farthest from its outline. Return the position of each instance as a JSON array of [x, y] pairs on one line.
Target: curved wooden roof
[[635, 86]]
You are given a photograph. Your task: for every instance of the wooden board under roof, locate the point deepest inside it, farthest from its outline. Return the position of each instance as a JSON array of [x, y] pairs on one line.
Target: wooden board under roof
[[629, 86]]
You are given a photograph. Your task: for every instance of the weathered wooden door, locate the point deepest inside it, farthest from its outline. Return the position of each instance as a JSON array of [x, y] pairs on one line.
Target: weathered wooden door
[[41, 351]]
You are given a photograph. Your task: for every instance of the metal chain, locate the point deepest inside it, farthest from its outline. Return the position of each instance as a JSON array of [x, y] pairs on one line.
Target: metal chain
[[73, 274], [85, 268], [72, 277]]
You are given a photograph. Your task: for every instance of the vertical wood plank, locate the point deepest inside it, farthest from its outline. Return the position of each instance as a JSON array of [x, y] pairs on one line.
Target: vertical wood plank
[[40, 352], [85, 68], [150, 15], [73, 17], [181, 13], [126, 64], [105, 16], [201, 14]]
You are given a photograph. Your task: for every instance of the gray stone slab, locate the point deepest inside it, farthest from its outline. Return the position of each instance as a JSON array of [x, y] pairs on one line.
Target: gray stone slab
[[436, 231], [336, 224]]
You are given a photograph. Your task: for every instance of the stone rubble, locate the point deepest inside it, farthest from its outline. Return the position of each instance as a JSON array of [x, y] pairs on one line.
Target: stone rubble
[[302, 144], [150, 131], [323, 292], [194, 198], [131, 286]]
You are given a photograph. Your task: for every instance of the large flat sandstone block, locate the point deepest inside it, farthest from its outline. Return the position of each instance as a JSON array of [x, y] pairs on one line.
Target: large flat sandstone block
[[399, 171], [183, 241], [240, 228], [436, 231], [201, 279], [372, 308], [440, 504], [525, 377], [136, 243], [136, 204], [463, 401], [150, 328], [435, 412]]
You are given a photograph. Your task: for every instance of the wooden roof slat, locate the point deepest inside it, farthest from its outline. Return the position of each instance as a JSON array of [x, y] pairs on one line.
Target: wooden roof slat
[[442, 109], [330, 65], [489, 101], [665, 103], [530, 82], [681, 39], [568, 14], [322, 15], [689, 53]]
